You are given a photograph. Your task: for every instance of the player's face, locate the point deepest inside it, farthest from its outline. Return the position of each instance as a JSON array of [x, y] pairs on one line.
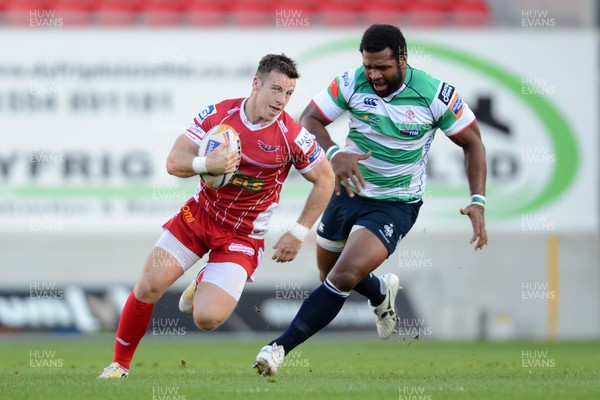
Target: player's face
[[271, 94], [383, 71]]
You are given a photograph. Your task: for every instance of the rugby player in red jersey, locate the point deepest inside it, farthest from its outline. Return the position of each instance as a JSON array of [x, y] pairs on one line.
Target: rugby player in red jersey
[[229, 223]]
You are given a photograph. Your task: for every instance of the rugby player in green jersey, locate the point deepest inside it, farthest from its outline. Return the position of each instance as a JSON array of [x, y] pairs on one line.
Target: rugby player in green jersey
[[394, 112]]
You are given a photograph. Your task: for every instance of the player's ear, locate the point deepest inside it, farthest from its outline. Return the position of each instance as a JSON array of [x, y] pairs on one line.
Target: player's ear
[[255, 82], [403, 59]]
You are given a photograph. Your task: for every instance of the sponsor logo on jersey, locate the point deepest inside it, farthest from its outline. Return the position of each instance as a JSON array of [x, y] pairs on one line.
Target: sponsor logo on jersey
[[187, 213], [334, 89], [372, 120], [195, 132], [346, 78], [267, 147], [304, 140], [457, 106], [410, 132], [196, 129], [446, 93], [248, 183], [370, 102], [241, 248], [314, 155], [206, 112]]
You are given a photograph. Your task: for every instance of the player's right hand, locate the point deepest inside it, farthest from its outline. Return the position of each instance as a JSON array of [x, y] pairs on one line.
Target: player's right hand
[[220, 161], [345, 168], [286, 248], [476, 214]]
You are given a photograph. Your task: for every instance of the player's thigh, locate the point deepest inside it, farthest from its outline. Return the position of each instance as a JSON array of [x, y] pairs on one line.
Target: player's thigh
[[167, 261], [161, 269], [218, 293], [363, 253]]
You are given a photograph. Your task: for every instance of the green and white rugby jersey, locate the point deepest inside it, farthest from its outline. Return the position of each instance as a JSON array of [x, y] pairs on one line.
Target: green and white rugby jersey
[[397, 129]]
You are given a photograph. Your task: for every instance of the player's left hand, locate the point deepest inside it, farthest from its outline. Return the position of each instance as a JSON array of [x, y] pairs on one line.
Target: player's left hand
[[476, 214], [286, 248]]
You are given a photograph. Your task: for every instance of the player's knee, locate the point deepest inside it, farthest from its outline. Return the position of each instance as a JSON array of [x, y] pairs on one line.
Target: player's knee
[[147, 292], [344, 280], [207, 322]]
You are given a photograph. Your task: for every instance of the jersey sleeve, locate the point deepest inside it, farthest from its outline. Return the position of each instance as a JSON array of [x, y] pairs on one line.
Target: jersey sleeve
[[206, 119], [306, 152], [451, 112], [333, 101]]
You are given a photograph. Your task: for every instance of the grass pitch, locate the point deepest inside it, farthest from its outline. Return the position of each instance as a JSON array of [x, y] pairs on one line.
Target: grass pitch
[[201, 367]]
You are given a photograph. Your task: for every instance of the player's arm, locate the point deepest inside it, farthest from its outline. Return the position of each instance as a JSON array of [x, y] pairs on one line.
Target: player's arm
[[183, 160], [475, 166], [345, 166], [321, 177]]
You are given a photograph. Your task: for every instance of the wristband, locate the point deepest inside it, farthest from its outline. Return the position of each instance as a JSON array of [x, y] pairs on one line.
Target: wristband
[[199, 165], [299, 231], [331, 152], [478, 199]]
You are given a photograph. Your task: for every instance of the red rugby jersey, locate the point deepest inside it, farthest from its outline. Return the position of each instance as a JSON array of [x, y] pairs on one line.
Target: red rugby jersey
[[269, 150]]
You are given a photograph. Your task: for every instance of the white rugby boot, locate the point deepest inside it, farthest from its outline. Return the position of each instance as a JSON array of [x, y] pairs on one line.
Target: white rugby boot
[[269, 359], [187, 297], [114, 371], [387, 319]]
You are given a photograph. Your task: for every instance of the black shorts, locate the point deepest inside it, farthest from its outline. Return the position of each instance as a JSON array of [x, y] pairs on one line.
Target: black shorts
[[390, 221]]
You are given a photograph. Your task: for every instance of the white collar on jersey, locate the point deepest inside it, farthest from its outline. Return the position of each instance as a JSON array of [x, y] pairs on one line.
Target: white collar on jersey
[[250, 125]]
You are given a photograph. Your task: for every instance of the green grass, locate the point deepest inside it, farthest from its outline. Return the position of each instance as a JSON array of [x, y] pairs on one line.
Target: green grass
[[200, 367]]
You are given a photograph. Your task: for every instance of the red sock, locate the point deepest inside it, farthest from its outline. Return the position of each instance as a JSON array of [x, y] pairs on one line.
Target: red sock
[[132, 327]]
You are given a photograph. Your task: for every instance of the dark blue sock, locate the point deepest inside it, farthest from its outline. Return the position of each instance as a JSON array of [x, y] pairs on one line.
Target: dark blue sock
[[373, 289], [316, 312]]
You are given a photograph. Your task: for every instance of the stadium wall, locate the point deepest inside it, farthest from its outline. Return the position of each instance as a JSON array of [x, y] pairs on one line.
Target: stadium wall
[[87, 119]]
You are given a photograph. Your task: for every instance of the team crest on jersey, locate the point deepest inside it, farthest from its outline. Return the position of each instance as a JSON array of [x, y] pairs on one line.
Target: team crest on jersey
[[268, 147], [410, 114], [389, 230]]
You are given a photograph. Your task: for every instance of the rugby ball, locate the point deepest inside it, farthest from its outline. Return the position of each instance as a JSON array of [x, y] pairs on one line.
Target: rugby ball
[[218, 134]]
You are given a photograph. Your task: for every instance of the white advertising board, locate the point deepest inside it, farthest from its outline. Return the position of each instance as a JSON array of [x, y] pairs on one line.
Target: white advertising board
[[87, 119]]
